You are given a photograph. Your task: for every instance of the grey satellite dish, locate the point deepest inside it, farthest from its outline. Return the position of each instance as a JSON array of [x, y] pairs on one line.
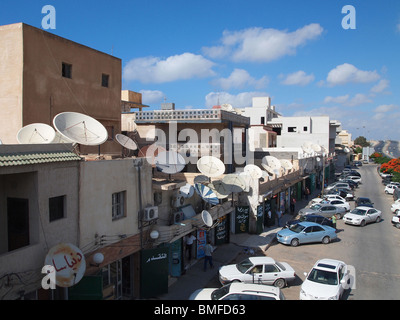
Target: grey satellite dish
[[211, 166], [36, 133], [207, 218], [201, 178], [220, 190], [126, 142], [80, 128], [234, 183], [170, 162]]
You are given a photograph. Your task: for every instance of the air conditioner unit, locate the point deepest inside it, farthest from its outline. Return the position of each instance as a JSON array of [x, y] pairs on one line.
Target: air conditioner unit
[[178, 201], [150, 213], [177, 217]]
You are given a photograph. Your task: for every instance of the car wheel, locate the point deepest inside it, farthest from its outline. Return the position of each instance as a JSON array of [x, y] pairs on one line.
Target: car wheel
[[295, 242], [362, 224], [378, 219], [280, 283], [397, 225], [326, 240]]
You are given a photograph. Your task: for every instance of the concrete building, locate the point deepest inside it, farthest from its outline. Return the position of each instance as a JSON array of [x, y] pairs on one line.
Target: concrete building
[[42, 75]]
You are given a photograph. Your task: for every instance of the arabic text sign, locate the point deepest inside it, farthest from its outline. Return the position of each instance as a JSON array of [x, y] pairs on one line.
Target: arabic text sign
[[68, 262]]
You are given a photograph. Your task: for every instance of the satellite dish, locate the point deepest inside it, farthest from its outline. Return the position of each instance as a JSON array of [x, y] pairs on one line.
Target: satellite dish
[[238, 111], [286, 164], [211, 166], [219, 188], [206, 193], [227, 107], [170, 162], [247, 179], [234, 183], [201, 179], [207, 218], [254, 171], [150, 152], [271, 164], [316, 147], [347, 150], [126, 142], [307, 147], [80, 128], [187, 191], [265, 175], [36, 133]]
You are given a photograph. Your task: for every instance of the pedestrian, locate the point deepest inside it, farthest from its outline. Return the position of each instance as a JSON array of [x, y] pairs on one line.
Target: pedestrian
[[306, 192], [334, 221], [208, 250], [189, 244], [269, 218], [278, 216], [292, 205]]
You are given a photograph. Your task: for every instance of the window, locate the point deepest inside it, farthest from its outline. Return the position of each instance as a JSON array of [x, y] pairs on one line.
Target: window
[[292, 129], [105, 78], [270, 268], [56, 208], [118, 205], [262, 120], [305, 129], [17, 223], [67, 70]]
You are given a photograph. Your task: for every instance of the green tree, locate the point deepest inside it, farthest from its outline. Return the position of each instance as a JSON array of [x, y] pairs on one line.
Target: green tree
[[362, 141]]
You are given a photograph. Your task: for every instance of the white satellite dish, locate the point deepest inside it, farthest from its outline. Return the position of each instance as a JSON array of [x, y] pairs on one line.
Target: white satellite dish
[[126, 142], [247, 179], [211, 166], [170, 162], [316, 147], [307, 147], [286, 164], [238, 111], [271, 164], [36, 133], [187, 191], [226, 107], [347, 150], [234, 183], [265, 175], [207, 218], [254, 171], [80, 128]]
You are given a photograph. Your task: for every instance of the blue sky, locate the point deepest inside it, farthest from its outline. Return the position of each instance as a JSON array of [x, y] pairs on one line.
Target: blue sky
[[196, 53]]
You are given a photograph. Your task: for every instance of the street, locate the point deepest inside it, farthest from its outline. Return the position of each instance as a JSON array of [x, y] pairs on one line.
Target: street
[[372, 250]]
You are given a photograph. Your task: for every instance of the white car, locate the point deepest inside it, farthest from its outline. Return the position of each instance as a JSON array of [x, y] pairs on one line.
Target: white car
[[327, 280], [338, 203], [389, 189], [259, 270], [354, 178], [239, 291], [361, 216], [327, 197], [395, 208], [338, 185], [396, 221]]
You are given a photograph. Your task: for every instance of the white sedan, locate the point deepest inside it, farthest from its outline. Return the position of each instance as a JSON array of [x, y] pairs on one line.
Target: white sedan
[[327, 280], [327, 197], [360, 216], [258, 270], [395, 208], [338, 203]]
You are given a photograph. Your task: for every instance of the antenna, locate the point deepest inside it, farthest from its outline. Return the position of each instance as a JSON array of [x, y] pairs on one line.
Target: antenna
[[126, 142], [36, 133]]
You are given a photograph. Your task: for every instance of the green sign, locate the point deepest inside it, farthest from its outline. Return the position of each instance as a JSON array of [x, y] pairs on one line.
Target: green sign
[[242, 219], [89, 288]]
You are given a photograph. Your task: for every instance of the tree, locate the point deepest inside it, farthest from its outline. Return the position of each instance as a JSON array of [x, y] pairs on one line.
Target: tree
[[362, 141]]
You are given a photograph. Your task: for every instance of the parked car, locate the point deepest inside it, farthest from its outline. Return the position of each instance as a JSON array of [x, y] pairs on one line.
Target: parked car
[[396, 220], [362, 215], [365, 202], [357, 163], [353, 184], [389, 189], [311, 218], [306, 232], [351, 173], [327, 197], [260, 270], [323, 209], [343, 192], [338, 203], [338, 184], [395, 207], [239, 291], [355, 178], [327, 280]]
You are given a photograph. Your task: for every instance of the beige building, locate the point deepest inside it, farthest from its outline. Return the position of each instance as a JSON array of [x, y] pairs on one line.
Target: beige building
[[42, 75]]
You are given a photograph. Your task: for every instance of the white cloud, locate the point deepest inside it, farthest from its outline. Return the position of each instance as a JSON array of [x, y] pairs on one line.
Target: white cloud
[[381, 86], [239, 79], [178, 67], [347, 73], [299, 78], [358, 99], [386, 108], [262, 45], [152, 96], [240, 100]]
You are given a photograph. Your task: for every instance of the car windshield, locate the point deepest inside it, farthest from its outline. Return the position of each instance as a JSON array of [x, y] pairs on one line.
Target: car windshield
[[296, 228], [323, 277], [315, 206], [244, 265], [219, 293], [358, 211]]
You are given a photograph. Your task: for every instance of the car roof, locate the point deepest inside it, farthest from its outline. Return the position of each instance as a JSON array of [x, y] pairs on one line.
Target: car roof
[[364, 207], [253, 288], [328, 264], [309, 224], [262, 259], [363, 198]]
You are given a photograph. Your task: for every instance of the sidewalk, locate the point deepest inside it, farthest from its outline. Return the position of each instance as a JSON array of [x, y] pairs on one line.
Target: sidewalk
[[195, 278]]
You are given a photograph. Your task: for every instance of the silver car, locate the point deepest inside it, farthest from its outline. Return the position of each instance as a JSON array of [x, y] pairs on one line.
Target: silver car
[[324, 209]]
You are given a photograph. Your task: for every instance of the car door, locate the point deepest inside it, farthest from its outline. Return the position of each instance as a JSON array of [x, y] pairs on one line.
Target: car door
[[271, 273], [254, 274], [344, 278], [317, 233], [371, 215]]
